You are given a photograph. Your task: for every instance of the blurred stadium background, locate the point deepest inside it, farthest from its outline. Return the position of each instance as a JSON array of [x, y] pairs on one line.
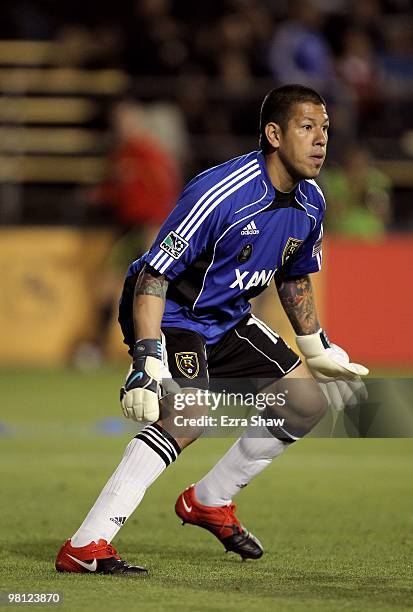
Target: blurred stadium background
[[105, 111]]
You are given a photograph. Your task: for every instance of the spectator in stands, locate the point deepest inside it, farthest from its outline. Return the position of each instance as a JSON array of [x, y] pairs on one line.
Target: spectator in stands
[[143, 180], [299, 53], [142, 187], [397, 57], [359, 68]]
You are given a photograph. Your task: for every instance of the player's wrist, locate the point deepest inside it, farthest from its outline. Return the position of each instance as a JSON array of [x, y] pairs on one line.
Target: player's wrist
[[147, 347], [313, 344]]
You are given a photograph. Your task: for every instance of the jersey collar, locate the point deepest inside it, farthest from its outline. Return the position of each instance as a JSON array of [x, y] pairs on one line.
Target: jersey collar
[[280, 199]]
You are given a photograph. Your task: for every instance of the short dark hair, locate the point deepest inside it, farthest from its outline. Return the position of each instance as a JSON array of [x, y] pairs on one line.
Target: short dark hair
[[277, 107]]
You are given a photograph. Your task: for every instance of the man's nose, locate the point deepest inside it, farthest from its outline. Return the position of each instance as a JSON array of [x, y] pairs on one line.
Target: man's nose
[[320, 138]]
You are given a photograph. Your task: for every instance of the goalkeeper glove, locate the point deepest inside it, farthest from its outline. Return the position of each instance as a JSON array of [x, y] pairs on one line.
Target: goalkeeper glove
[[330, 365], [139, 396]]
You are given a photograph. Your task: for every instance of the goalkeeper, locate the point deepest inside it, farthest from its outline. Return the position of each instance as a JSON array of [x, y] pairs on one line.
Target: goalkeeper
[[185, 313]]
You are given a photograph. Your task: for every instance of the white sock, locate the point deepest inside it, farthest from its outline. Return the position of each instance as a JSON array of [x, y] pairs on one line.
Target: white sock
[[241, 463], [145, 458]]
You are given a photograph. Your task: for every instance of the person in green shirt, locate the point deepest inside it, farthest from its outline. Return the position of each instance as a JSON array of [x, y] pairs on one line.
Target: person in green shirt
[[359, 197]]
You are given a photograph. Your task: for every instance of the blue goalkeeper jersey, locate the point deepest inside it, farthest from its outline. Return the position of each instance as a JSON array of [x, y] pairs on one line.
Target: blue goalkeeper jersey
[[229, 234]]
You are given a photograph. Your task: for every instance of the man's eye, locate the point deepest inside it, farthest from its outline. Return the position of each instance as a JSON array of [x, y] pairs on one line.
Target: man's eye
[[325, 128], [307, 127]]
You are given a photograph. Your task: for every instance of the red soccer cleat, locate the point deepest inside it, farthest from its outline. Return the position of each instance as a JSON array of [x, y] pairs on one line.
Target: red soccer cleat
[[221, 522], [100, 558]]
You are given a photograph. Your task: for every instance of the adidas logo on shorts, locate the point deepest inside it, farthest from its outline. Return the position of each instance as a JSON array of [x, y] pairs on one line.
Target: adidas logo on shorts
[[249, 229]]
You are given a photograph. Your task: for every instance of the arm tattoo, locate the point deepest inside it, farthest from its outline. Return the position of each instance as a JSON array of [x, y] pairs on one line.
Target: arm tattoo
[[297, 299], [147, 284]]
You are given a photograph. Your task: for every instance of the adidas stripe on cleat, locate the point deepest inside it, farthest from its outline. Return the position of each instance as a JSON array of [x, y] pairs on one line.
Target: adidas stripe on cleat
[[221, 522], [95, 558]]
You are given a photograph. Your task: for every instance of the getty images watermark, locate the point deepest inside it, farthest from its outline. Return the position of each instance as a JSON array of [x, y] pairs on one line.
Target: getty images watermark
[[225, 399], [385, 411]]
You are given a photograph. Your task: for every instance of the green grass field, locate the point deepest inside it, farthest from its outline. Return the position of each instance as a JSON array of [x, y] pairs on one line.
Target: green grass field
[[335, 515]]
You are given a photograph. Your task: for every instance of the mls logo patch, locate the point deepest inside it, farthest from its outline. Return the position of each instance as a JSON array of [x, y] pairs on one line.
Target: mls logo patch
[[174, 245], [290, 248], [187, 363]]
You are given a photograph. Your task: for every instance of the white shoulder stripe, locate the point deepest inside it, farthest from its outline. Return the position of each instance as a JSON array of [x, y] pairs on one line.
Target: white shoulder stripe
[[246, 180], [218, 187], [156, 262], [312, 182], [306, 202], [184, 228], [249, 178], [214, 188]]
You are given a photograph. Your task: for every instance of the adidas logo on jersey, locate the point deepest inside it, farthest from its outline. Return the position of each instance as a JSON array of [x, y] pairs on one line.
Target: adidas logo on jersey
[[118, 520], [249, 229]]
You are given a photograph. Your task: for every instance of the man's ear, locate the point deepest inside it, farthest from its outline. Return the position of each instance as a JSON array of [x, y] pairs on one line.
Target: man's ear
[[273, 134]]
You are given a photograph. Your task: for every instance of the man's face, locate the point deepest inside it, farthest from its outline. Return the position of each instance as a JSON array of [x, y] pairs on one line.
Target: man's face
[[303, 143]]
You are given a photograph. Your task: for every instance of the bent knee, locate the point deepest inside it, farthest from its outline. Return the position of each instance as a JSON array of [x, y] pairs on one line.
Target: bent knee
[[309, 404]]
